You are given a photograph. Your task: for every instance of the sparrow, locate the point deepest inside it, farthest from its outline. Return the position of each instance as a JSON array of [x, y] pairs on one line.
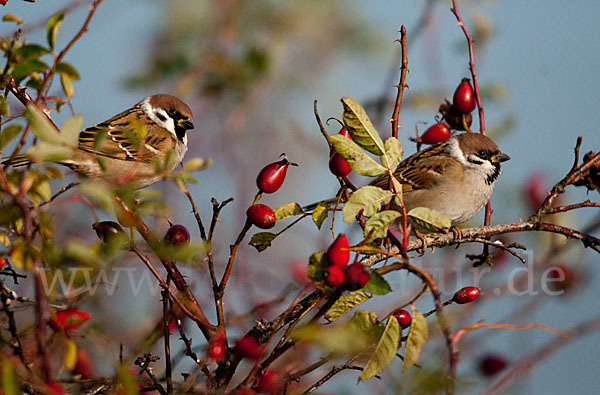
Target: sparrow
[[122, 155], [455, 177]]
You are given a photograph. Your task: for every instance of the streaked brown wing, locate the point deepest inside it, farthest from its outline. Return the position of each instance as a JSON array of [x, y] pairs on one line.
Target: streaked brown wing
[[121, 140], [419, 171]]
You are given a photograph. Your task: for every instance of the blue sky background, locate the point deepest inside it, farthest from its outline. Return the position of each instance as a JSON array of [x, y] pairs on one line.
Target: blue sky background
[[544, 52]]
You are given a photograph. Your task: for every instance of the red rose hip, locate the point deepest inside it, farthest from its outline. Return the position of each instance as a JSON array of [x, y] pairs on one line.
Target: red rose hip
[[338, 253], [272, 175], [403, 317], [436, 134], [455, 118], [491, 365], [247, 347], [466, 295], [269, 383], [338, 165], [261, 216], [217, 348], [178, 235], [334, 276], [357, 276], [464, 97]]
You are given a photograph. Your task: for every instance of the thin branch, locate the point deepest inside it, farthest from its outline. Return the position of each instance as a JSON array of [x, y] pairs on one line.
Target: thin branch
[[402, 85]]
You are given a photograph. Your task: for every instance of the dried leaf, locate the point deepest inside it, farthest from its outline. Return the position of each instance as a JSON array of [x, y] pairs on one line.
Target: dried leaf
[[261, 241]]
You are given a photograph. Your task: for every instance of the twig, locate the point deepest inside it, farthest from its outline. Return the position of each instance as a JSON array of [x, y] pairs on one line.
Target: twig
[[334, 370], [526, 364], [469, 38], [402, 85], [166, 335], [187, 193], [144, 364]]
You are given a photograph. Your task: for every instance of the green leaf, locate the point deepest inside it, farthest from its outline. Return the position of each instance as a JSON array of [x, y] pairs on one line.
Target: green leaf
[[377, 285], [9, 213], [288, 210], [319, 214], [366, 322], [261, 241], [81, 252], [429, 219], [31, 51], [369, 199], [67, 84], [70, 130], [4, 109], [317, 263], [67, 69], [385, 351], [41, 127], [100, 139], [27, 68], [8, 134], [10, 385], [127, 382], [393, 150], [46, 152], [417, 336], [345, 303], [360, 127], [196, 164], [98, 192], [53, 26], [377, 226], [356, 157]]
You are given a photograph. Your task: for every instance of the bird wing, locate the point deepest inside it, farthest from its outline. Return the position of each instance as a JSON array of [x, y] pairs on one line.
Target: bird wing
[[123, 137], [419, 171]]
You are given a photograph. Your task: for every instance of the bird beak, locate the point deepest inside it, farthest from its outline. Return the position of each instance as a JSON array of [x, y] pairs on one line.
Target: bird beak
[[499, 157], [186, 124]]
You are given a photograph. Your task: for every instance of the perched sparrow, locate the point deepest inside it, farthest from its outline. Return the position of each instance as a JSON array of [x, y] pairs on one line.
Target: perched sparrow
[[119, 158], [455, 177]]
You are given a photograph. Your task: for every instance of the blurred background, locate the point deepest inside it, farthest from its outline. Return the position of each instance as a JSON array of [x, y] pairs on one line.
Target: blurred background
[[250, 71]]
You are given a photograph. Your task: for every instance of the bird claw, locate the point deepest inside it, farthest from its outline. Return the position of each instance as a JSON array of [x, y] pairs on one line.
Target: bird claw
[[423, 238], [456, 232]]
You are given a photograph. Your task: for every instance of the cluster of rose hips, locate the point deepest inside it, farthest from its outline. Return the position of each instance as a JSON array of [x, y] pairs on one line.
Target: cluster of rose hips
[[269, 180], [457, 115], [338, 273]]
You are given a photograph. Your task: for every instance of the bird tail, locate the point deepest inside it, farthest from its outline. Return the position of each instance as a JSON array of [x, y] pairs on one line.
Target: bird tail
[[17, 161]]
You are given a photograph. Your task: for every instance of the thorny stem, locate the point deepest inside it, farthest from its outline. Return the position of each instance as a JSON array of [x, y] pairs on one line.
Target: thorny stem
[[402, 85], [166, 335]]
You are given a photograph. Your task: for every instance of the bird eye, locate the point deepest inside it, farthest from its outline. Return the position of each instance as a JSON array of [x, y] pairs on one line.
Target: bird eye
[[483, 154], [172, 113]]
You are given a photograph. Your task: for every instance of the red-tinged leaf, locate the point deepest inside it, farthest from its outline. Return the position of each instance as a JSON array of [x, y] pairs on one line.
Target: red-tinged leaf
[[385, 351], [417, 336]]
